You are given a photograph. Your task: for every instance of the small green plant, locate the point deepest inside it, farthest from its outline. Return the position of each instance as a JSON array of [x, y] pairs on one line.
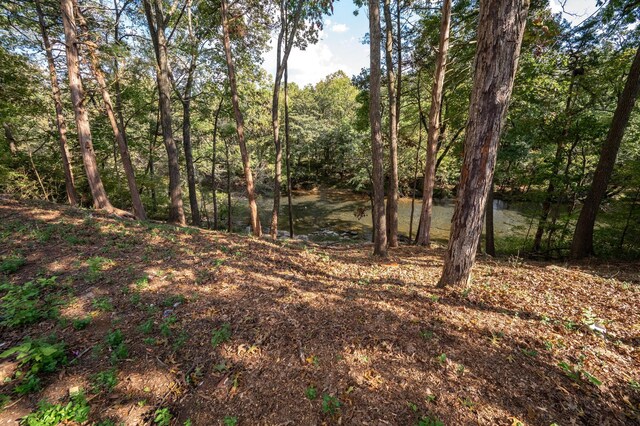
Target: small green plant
[[149, 341], [429, 421], [142, 283], [221, 335], [95, 266], [530, 352], [115, 341], [634, 384], [102, 304], [330, 404], [162, 417], [230, 421], [146, 327], [105, 381], [426, 334], [12, 263], [172, 300], [25, 304], [81, 323], [311, 393], [77, 411], [35, 357], [442, 358], [165, 326], [576, 372]]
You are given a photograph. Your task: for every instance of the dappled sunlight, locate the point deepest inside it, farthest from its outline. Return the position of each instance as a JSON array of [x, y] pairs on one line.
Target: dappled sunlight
[[209, 325]]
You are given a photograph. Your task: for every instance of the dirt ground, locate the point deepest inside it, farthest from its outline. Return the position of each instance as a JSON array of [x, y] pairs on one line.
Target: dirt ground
[[305, 334]]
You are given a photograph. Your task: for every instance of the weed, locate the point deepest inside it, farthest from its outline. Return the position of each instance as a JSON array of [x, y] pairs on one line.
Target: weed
[[165, 326], [311, 393], [95, 267], [442, 358], [77, 411], [24, 304], [105, 381], [102, 304], [162, 417], [230, 421], [35, 356], [12, 263], [142, 283], [530, 352], [429, 421], [576, 372], [149, 341], [221, 335], [434, 298], [135, 298], [330, 404], [634, 384], [81, 323], [426, 334], [182, 338], [146, 327], [115, 341], [173, 300]]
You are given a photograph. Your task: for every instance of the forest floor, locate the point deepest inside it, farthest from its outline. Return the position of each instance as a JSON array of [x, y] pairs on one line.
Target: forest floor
[[187, 326]]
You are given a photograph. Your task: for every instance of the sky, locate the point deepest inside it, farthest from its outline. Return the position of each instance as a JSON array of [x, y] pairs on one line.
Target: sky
[[340, 43]]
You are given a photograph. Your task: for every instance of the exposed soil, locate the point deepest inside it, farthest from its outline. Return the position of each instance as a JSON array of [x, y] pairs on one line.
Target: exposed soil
[[379, 337]]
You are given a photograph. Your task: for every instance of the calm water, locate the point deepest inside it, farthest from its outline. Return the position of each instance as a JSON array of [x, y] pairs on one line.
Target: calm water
[[322, 213]]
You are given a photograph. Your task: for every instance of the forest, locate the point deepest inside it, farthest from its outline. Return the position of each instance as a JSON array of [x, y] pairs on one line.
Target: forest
[[190, 236]]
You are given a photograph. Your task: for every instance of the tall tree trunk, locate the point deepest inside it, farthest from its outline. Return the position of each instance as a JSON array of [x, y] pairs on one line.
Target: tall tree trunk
[[582, 244], [286, 37], [117, 71], [392, 193], [256, 228], [155, 19], [229, 223], [433, 133], [72, 195], [415, 173], [379, 221], [286, 144], [100, 198], [555, 170], [118, 131], [186, 125], [399, 76], [489, 235], [500, 30], [214, 185]]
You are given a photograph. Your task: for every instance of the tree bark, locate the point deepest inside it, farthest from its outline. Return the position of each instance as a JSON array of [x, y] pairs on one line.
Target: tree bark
[[186, 126], [229, 223], [433, 133], [214, 185], [118, 131], [100, 198], [285, 36], [500, 30], [582, 244], [379, 221], [155, 20], [392, 193], [286, 144], [489, 235], [256, 228], [415, 174], [72, 195]]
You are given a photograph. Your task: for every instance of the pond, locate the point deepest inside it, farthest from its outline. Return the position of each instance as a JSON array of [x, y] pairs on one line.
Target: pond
[[331, 214]]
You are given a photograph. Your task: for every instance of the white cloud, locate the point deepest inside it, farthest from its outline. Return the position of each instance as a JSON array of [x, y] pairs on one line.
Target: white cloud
[[339, 28], [555, 6]]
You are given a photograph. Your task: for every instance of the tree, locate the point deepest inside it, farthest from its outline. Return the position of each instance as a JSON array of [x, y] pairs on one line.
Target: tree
[[582, 244], [379, 221], [392, 193], [256, 228], [156, 22], [299, 20], [72, 195], [500, 31], [100, 198], [118, 130], [433, 132]]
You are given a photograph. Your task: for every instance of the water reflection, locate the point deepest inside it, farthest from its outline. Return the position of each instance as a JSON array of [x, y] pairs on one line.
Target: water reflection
[[326, 212]]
